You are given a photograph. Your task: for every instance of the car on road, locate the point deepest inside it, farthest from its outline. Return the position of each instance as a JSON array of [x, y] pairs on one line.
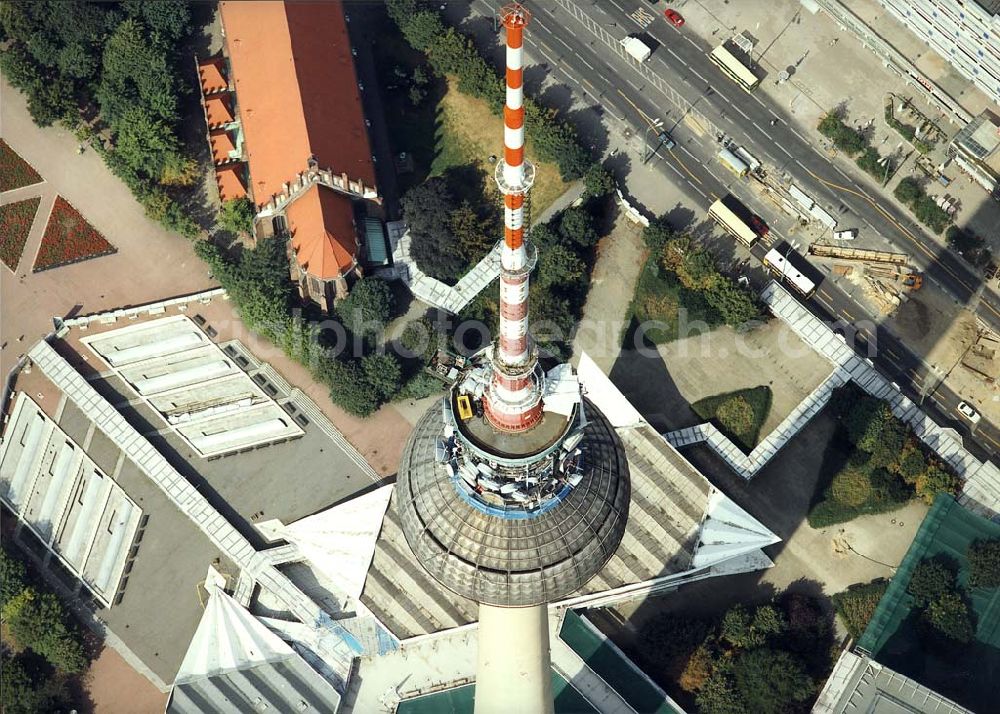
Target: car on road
[[665, 140], [759, 227], [674, 18], [848, 234], [968, 412]]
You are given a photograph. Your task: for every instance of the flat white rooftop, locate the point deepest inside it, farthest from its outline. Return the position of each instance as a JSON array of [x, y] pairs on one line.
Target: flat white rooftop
[[74, 508], [199, 390]]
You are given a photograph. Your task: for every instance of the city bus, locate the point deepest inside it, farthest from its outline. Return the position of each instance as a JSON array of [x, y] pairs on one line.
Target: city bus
[[736, 70], [780, 266], [731, 223]]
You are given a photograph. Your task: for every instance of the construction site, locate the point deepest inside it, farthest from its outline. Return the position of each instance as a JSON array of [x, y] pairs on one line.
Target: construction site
[[886, 279]]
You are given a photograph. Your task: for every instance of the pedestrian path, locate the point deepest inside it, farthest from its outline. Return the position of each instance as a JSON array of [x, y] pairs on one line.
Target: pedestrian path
[[430, 290]]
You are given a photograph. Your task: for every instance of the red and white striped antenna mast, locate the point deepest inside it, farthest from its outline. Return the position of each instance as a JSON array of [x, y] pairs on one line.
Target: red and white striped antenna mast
[[514, 400]]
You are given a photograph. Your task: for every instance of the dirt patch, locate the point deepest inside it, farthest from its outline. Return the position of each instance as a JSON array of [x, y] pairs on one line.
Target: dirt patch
[[471, 134], [115, 688], [934, 326]]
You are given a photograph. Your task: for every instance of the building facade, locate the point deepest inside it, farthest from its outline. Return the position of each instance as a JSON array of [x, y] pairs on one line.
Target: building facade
[[964, 32], [977, 151]]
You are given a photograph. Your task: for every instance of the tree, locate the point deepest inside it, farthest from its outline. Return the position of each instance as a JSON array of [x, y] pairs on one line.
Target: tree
[[930, 580], [383, 374], [736, 305], [544, 236], [668, 636], [144, 142], [912, 465], [577, 226], [559, 266], [168, 20], [697, 670], [598, 181], [13, 577], [657, 234], [908, 190], [236, 215], [744, 631], [857, 604], [40, 624], [135, 73], [718, 695], [51, 100], [421, 339], [349, 388], [368, 306], [771, 680], [475, 235], [936, 479], [950, 616], [427, 212], [735, 415], [984, 563]]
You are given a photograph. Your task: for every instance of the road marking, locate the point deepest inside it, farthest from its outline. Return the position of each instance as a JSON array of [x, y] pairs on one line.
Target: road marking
[[632, 84], [684, 166], [713, 195], [563, 43], [783, 150], [800, 136], [765, 134], [740, 112], [700, 192], [756, 99], [698, 75], [618, 6], [538, 21], [589, 66]]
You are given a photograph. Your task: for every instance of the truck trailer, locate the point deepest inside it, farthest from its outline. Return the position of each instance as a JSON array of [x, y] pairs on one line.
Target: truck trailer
[[637, 49]]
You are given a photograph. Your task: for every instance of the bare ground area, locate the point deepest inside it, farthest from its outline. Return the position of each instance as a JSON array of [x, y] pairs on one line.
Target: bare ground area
[[115, 688], [934, 326]]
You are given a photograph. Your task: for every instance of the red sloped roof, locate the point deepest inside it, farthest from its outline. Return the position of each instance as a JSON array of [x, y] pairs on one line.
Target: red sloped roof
[[210, 75], [324, 238], [218, 111], [297, 91], [222, 145], [229, 178]]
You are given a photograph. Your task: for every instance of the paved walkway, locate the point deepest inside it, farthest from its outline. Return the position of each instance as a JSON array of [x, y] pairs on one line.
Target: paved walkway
[[151, 262], [620, 257]]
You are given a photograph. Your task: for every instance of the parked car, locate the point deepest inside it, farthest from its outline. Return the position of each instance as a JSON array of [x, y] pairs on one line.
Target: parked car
[[666, 140], [849, 234], [759, 227], [968, 412], [674, 18]]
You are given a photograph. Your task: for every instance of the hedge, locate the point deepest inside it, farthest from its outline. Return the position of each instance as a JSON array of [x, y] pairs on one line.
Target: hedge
[[857, 604]]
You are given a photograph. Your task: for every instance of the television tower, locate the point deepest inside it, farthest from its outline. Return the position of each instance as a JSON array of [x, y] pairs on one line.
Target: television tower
[[514, 490]]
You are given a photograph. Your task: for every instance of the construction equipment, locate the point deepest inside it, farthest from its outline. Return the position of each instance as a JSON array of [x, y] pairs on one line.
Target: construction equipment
[[898, 276], [825, 250]]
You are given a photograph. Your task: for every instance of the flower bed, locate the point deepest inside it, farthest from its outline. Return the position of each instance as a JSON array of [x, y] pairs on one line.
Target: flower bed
[[15, 224], [15, 172], [69, 239]]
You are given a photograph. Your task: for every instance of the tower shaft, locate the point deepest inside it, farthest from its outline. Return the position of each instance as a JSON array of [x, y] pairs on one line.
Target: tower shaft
[[513, 672], [514, 401]]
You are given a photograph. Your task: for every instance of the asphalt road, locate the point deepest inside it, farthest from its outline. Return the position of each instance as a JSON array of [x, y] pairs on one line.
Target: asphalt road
[[595, 72]]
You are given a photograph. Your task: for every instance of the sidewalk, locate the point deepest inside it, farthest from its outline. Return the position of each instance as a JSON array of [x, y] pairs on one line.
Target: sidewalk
[[151, 263]]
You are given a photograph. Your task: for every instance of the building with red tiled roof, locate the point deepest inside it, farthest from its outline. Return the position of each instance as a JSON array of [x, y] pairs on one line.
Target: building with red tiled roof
[[303, 134]]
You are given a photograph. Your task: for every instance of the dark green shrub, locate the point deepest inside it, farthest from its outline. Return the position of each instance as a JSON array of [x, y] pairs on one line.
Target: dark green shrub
[[930, 580], [857, 604], [984, 563]]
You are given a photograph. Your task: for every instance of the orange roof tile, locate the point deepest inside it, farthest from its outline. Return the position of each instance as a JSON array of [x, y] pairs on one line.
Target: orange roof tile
[[217, 110], [297, 91], [210, 75], [222, 145], [230, 181], [321, 222]]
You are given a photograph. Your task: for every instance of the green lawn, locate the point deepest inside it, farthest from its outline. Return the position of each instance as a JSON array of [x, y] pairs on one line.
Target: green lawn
[[739, 415], [663, 310]]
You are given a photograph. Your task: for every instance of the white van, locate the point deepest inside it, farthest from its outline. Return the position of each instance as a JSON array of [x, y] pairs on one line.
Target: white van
[[849, 234]]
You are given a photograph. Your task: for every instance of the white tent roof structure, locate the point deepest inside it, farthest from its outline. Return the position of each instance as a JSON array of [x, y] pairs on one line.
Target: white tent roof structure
[[236, 664], [605, 395], [340, 541]]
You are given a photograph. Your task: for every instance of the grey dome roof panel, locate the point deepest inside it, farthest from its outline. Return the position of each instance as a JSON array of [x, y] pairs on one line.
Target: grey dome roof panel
[[514, 562]]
